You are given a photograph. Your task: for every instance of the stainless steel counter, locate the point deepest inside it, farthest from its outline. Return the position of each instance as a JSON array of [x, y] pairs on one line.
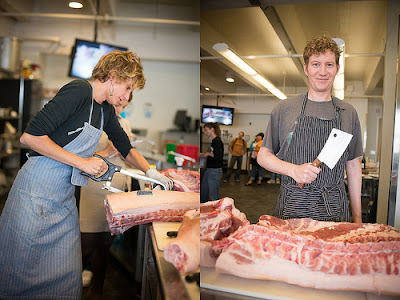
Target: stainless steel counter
[[172, 284]]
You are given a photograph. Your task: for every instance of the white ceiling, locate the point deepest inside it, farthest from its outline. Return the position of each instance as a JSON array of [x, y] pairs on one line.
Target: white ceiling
[[266, 28]]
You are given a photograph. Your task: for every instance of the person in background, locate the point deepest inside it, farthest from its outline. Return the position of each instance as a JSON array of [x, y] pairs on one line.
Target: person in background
[[237, 147], [275, 178], [257, 170], [296, 133], [39, 226], [95, 232], [213, 174]]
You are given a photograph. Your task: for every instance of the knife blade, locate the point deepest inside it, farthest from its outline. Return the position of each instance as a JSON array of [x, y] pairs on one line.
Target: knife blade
[[333, 149]]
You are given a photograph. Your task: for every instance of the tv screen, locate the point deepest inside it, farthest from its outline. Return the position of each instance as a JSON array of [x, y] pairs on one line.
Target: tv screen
[[85, 55], [221, 115]]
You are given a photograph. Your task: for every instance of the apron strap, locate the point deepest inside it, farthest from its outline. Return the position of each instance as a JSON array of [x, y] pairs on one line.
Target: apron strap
[[91, 107]]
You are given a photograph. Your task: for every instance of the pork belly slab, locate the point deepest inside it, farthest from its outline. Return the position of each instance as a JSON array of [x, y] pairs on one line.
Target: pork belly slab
[[124, 210], [185, 180], [184, 251], [218, 219], [323, 255]]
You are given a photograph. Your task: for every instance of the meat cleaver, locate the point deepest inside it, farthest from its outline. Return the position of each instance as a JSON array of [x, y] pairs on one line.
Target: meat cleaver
[[333, 149]]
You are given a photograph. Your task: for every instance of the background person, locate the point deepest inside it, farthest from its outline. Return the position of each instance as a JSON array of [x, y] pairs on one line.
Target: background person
[[237, 147], [39, 225], [95, 232], [257, 170], [213, 174], [297, 132]]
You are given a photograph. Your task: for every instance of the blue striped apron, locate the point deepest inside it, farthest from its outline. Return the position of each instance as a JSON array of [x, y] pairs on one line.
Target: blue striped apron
[[40, 254], [325, 199]]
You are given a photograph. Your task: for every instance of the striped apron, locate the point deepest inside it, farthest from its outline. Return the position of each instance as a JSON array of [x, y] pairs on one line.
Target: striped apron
[[325, 199], [40, 256]]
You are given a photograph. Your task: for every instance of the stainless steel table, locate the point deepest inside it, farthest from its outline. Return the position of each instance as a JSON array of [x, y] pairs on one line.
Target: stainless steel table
[[171, 284]]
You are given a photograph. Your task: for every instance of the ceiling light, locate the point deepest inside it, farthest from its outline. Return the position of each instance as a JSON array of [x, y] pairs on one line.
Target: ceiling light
[[338, 84], [207, 88], [224, 50], [229, 77], [75, 4]]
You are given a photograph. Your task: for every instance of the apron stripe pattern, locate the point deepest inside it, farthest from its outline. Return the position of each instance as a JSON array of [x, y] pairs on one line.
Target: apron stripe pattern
[[325, 199], [39, 227]]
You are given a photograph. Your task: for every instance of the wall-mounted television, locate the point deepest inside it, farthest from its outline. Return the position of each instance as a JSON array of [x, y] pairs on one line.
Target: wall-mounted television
[[221, 115], [85, 55]]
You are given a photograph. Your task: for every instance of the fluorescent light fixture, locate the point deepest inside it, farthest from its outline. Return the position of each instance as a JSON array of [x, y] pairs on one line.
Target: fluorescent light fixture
[[75, 4], [338, 84], [224, 50]]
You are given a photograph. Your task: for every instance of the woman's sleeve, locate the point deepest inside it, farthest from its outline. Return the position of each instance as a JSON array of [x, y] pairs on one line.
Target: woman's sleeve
[[70, 99]]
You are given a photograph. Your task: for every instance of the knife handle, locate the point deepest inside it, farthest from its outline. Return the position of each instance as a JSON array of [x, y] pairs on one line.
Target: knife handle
[[315, 163]]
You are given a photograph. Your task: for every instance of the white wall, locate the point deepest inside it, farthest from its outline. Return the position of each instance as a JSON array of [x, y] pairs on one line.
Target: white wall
[[169, 53]]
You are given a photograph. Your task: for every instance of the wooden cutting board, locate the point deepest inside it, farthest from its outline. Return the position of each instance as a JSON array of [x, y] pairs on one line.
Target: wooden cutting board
[[160, 232], [270, 289]]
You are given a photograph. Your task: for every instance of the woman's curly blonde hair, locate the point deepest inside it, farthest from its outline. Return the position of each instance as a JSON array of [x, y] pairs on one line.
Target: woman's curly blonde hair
[[321, 44], [123, 65]]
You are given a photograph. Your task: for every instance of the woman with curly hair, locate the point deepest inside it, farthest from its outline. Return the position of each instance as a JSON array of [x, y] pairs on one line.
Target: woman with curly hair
[[39, 226]]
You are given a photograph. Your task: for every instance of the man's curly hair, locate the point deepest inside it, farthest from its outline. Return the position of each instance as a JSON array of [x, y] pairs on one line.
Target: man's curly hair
[[321, 44]]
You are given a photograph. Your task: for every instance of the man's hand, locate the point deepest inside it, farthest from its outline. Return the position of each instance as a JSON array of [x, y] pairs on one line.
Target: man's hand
[[305, 173]]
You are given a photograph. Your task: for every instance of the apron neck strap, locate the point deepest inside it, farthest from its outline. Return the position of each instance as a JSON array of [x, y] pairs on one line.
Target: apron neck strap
[[91, 107]]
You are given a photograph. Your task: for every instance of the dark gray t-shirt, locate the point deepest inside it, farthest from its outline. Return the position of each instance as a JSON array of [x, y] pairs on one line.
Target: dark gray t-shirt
[[284, 120]]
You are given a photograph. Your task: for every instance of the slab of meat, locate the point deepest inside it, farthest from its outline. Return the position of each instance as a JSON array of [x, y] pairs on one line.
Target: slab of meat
[[185, 180], [323, 255], [218, 219], [124, 210], [184, 251]]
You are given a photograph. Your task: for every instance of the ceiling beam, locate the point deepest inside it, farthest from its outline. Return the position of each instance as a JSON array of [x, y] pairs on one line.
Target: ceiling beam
[[272, 16], [374, 76], [9, 6]]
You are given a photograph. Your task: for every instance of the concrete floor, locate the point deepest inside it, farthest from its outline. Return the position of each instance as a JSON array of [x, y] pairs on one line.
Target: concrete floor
[[254, 200]]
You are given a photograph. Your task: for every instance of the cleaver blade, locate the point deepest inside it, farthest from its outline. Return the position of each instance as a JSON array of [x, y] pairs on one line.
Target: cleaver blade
[[333, 149]]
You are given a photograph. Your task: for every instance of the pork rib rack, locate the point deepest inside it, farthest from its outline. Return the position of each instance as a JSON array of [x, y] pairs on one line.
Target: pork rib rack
[[218, 219], [185, 180], [124, 210], [324, 255]]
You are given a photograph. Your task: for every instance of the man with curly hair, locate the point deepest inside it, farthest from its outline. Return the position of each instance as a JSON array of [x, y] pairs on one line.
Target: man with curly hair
[[296, 133]]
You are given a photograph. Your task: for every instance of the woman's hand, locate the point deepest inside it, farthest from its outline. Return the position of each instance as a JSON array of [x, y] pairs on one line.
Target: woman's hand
[[93, 165]]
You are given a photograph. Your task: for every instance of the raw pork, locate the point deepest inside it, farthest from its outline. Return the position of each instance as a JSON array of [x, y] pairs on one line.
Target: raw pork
[[324, 255], [218, 219], [184, 251], [185, 180], [124, 210]]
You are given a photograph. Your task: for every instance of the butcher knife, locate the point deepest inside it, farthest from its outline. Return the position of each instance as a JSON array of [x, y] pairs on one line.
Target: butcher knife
[[333, 149]]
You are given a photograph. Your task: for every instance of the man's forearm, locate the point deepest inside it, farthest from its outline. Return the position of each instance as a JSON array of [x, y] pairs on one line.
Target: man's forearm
[[354, 182]]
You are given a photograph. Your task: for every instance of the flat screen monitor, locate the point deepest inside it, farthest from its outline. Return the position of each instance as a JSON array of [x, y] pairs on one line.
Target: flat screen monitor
[[221, 115], [85, 55]]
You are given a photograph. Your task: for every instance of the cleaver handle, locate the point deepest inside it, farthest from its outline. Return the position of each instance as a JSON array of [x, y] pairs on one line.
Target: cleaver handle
[[315, 163]]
